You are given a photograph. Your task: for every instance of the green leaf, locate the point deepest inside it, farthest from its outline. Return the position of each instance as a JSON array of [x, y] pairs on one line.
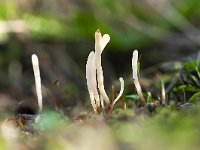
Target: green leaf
[[133, 97], [186, 88], [149, 97], [194, 97], [191, 65], [198, 73]]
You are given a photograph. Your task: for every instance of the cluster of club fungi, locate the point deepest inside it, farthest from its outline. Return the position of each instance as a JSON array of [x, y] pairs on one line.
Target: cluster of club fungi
[[95, 82], [95, 78]]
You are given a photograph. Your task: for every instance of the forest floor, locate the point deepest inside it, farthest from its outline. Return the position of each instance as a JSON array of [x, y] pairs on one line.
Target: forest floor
[[169, 120]]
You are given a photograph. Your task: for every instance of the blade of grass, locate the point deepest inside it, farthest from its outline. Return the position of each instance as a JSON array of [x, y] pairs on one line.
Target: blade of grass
[[194, 97]]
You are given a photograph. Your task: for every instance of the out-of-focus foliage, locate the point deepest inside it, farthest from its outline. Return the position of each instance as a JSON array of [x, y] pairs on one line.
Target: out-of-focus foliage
[[130, 23], [166, 130]]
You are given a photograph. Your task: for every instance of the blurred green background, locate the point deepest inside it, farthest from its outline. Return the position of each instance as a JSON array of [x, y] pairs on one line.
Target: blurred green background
[[61, 33]]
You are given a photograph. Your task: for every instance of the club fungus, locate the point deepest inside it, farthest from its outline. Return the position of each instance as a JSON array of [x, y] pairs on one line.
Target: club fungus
[[135, 77], [95, 78], [11, 126], [91, 82], [36, 70]]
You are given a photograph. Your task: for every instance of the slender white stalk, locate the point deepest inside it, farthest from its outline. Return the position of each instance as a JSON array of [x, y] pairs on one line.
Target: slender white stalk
[[121, 91], [98, 51], [36, 70], [135, 65], [102, 102], [94, 83], [163, 93], [89, 74], [135, 76]]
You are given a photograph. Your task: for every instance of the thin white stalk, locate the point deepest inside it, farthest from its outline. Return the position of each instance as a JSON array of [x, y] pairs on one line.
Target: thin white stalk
[[94, 83], [163, 93], [102, 101], [98, 51], [90, 73], [135, 76], [121, 91], [36, 70], [135, 65]]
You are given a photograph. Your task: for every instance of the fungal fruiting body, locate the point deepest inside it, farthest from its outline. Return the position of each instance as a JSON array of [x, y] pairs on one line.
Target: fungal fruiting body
[[163, 93], [121, 91], [95, 78], [36, 70], [99, 47], [91, 81], [135, 77]]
